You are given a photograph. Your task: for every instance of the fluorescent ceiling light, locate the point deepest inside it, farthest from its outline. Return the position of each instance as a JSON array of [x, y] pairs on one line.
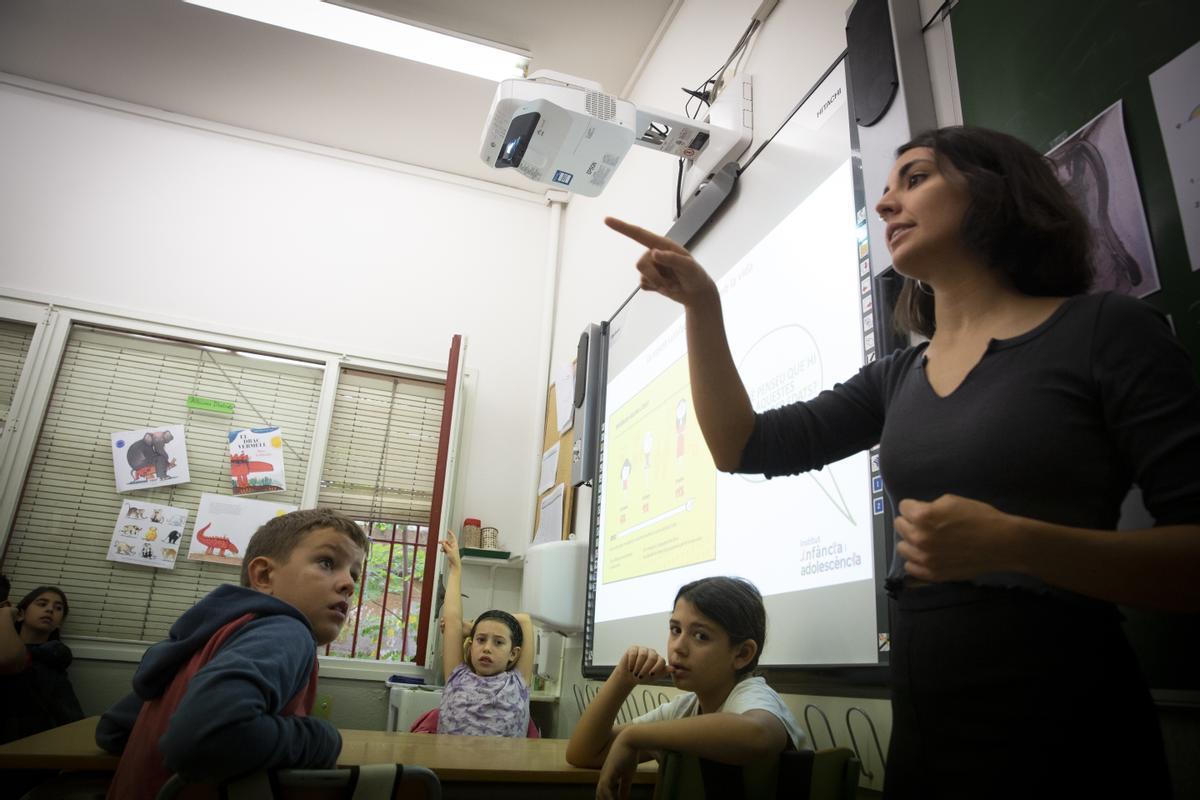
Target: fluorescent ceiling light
[[372, 32]]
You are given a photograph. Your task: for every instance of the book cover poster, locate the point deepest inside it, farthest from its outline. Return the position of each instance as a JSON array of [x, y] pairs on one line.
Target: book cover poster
[[148, 458], [256, 460], [147, 534], [225, 524]]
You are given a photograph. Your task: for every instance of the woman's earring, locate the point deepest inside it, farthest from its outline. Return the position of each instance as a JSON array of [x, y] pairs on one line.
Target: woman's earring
[[924, 289]]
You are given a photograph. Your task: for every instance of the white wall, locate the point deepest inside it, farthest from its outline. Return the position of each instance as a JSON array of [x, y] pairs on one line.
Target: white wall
[[230, 233]]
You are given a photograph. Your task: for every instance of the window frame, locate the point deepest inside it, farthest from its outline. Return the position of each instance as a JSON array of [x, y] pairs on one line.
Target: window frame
[[54, 321]]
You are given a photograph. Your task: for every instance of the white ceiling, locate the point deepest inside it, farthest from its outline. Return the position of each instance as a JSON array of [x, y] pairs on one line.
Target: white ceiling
[[181, 58]]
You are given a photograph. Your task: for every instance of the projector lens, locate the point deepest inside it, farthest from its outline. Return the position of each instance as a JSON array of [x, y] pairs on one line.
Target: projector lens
[[520, 133]]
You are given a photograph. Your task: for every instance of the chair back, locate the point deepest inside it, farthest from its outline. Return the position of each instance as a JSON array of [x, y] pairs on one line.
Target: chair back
[[373, 782], [796, 775]]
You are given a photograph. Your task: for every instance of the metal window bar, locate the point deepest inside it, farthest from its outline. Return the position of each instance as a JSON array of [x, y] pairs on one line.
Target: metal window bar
[[408, 556], [362, 584], [409, 561], [387, 580]]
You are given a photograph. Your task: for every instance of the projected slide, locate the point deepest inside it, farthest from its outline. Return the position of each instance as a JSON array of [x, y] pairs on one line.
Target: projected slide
[[660, 509], [793, 315]]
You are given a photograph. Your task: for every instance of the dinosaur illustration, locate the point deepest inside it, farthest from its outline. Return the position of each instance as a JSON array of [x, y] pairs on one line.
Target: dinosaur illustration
[[218, 543], [240, 467]]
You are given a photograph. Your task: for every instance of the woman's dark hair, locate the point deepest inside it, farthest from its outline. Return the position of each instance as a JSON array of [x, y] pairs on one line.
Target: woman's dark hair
[[736, 605], [1020, 220], [28, 599], [514, 627]]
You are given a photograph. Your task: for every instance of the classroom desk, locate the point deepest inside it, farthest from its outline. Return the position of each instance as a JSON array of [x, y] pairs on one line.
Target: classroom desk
[[468, 766]]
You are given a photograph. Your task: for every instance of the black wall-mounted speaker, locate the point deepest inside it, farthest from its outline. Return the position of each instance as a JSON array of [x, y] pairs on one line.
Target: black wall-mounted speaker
[[871, 60], [589, 388]]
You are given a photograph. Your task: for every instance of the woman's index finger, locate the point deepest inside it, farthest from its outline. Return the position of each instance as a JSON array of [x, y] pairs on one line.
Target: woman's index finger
[[640, 235]]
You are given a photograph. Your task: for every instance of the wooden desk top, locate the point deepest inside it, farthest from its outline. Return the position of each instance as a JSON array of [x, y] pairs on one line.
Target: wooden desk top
[[69, 747], [453, 758]]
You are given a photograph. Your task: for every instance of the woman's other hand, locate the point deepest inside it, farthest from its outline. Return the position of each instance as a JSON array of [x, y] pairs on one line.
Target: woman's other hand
[[955, 539]]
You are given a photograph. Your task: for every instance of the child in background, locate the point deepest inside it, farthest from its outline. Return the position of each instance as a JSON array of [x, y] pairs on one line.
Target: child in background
[[488, 693], [717, 632], [35, 692], [231, 690]]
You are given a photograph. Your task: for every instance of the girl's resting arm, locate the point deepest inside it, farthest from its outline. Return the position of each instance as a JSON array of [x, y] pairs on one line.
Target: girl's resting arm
[[13, 655], [755, 735], [594, 734]]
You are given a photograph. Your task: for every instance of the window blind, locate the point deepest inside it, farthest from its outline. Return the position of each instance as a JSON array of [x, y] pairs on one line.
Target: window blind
[[14, 346], [382, 452], [110, 381]]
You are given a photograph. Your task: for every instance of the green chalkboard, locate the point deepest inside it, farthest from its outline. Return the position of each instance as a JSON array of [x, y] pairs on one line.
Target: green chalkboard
[[1040, 69]]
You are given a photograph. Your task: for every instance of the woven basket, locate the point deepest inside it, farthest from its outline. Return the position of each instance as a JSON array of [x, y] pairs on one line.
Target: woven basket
[[489, 538]]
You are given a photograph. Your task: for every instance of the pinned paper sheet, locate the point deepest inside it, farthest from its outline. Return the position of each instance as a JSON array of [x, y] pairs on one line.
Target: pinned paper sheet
[[1177, 102], [225, 524], [150, 458], [147, 534], [564, 395], [550, 523], [549, 469]]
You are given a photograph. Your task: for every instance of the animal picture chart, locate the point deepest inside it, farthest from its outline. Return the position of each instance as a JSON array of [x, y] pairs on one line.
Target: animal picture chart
[[149, 458], [147, 534], [225, 524]]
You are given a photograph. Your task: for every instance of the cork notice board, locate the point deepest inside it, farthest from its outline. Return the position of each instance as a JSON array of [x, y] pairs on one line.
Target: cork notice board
[[563, 473]]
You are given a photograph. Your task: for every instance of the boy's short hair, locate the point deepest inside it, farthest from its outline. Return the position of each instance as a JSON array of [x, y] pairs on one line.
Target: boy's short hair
[[5, 588], [278, 537]]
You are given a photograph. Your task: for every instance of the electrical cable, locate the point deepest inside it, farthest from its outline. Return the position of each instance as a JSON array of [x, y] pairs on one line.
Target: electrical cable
[[706, 92]]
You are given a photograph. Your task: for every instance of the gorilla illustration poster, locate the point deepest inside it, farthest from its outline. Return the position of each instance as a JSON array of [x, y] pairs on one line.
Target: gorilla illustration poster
[[149, 458], [147, 534]]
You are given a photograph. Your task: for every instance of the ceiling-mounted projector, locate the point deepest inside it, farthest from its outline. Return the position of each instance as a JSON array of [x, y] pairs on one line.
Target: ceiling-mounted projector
[[567, 133]]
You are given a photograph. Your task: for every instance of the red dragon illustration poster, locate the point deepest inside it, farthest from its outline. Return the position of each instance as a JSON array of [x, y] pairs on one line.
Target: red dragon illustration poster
[[225, 524]]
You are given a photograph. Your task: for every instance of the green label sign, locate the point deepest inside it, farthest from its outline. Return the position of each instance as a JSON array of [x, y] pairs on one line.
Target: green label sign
[[208, 404]]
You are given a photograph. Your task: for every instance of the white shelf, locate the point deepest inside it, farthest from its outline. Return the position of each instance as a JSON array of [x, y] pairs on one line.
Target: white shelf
[[493, 564], [512, 562]]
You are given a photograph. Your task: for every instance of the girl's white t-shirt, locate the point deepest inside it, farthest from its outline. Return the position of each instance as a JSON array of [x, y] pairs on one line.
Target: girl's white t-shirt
[[747, 695]]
